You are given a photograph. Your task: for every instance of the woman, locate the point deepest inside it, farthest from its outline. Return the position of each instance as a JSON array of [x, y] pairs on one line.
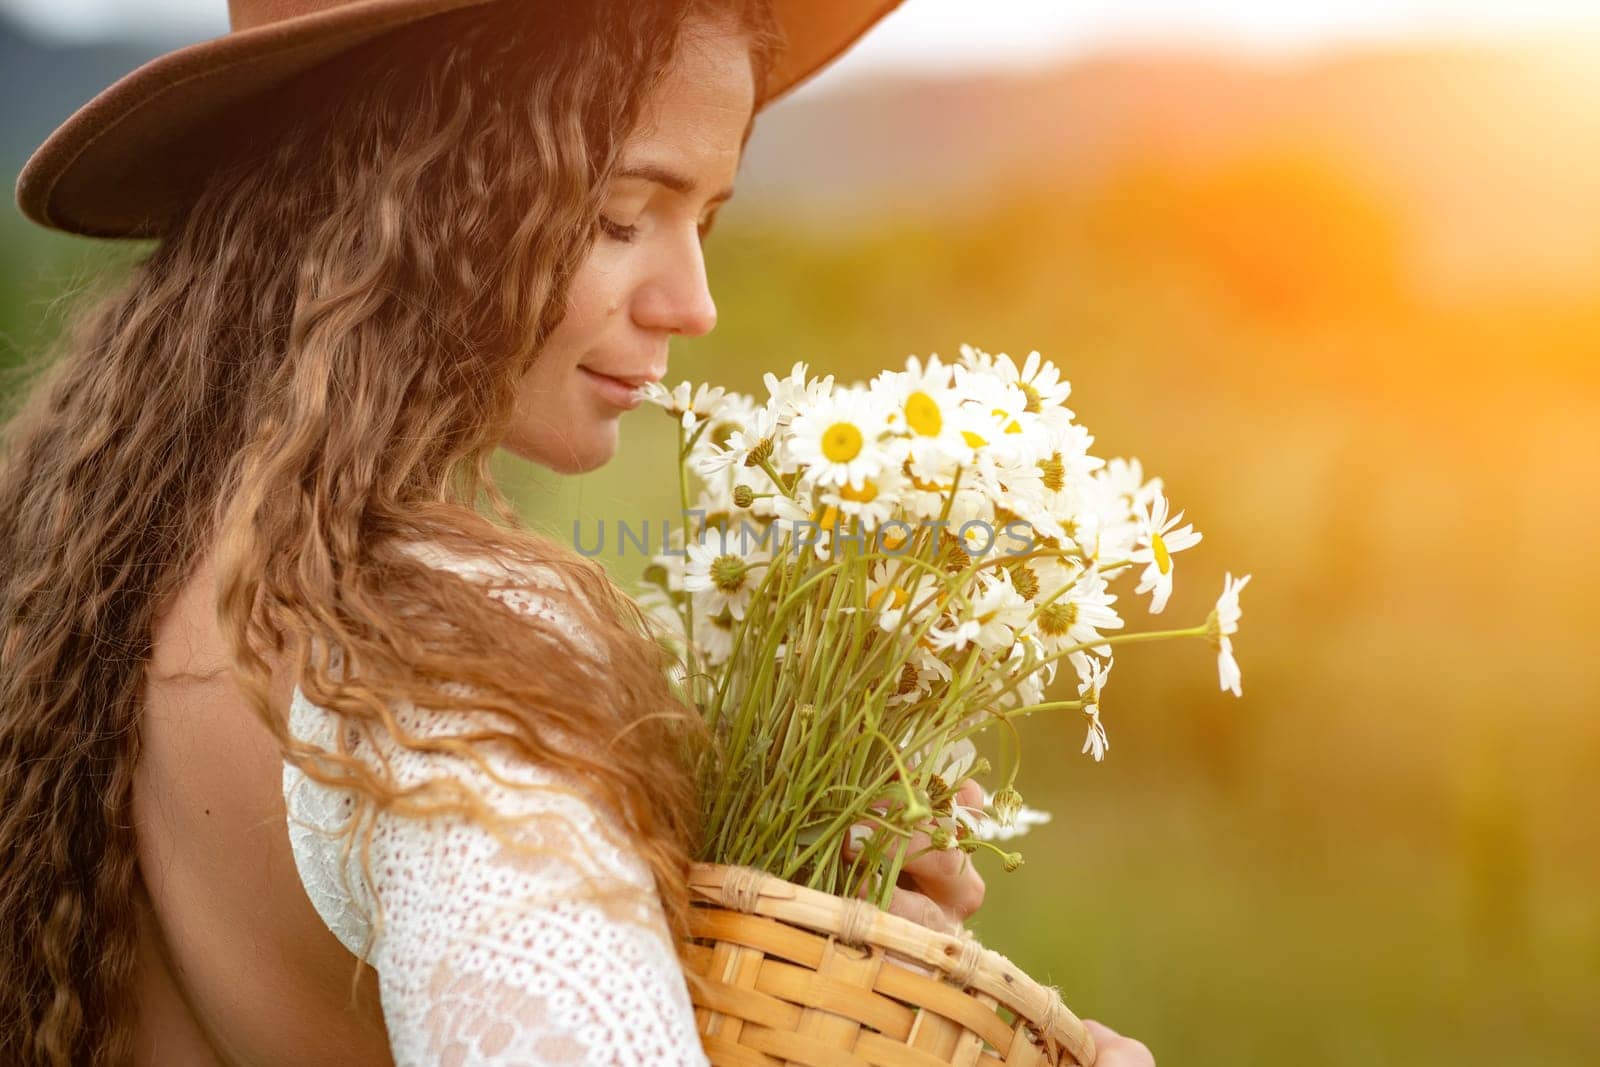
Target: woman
[[243, 523]]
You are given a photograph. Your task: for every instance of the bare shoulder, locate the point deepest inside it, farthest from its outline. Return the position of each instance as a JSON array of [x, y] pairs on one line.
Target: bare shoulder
[[207, 788], [214, 851]]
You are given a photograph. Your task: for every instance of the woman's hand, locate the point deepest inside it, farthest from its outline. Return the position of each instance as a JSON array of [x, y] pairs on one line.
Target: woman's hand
[[948, 888], [1114, 1050]]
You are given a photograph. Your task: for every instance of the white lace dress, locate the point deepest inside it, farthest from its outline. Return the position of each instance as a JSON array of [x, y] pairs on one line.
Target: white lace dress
[[487, 955]]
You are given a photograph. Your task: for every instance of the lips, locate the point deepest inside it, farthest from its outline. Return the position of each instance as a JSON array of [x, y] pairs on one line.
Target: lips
[[635, 380], [621, 393]]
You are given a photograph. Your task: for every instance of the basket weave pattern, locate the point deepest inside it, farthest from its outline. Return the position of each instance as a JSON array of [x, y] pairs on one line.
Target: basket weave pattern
[[781, 974]]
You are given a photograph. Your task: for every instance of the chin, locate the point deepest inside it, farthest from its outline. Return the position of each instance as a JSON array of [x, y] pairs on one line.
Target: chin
[[566, 456], [575, 464]]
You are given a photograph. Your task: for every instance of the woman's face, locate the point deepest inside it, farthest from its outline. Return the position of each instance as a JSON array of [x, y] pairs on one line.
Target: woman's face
[[645, 278]]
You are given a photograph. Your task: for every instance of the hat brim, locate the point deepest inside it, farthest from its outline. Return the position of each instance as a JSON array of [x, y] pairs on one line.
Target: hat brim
[[123, 164]]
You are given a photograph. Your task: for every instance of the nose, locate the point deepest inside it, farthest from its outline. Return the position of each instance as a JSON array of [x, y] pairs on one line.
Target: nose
[[677, 296]]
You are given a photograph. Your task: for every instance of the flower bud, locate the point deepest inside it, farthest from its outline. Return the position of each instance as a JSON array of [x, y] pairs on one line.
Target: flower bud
[[743, 496], [760, 453], [1007, 803], [1012, 861]]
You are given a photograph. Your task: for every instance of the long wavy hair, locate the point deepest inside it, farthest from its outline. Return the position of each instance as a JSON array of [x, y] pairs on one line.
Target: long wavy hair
[[310, 369]]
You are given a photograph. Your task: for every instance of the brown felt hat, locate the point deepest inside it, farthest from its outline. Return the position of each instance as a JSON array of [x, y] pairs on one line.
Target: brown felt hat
[[122, 165]]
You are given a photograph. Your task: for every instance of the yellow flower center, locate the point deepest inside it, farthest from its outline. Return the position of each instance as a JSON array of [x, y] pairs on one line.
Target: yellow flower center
[[1024, 580], [923, 414], [1054, 472], [841, 442], [865, 495], [1058, 617], [973, 440], [727, 573], [1011, 425], [896, 596], [1163, 557]]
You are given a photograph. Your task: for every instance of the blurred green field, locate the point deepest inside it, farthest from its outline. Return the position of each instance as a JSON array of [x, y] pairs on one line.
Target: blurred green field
[[1386, 852]]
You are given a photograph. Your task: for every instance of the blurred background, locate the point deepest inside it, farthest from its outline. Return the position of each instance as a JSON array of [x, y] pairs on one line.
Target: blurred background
[[1331, 270]]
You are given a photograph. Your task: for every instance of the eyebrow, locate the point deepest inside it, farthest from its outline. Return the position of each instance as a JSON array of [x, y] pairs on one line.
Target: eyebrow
[[670, 179]]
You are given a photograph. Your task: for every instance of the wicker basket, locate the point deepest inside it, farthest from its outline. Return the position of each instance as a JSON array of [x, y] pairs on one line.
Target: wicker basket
[[781, 974]]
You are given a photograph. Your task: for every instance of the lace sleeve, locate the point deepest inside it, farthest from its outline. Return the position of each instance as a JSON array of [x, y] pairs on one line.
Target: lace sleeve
[[553, 953]]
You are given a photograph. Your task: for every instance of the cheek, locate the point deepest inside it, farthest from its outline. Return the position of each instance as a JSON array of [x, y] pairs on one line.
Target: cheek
[[594, 298]]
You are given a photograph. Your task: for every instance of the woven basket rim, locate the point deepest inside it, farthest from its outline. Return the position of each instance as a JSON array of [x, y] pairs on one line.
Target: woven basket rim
[[992, 973]]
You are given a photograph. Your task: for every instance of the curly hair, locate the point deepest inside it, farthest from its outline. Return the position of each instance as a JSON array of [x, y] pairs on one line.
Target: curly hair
[[311, 367]]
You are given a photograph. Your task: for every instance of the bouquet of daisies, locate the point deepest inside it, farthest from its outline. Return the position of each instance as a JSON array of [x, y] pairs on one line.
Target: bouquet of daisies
[[869, 576]]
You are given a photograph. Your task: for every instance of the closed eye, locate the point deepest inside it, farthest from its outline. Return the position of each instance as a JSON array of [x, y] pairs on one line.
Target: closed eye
[[617, 232]]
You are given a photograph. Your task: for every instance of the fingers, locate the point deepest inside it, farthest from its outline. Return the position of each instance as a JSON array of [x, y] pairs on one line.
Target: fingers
[[948, 875], [920, 909], [1114, 1050]]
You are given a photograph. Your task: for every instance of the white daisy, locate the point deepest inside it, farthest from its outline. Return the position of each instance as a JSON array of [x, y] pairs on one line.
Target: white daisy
[[1023, 660], [1021, 822], [721, 580], [971, 521], [1020, 487], [957, 762], [928, 482], [838, 439], [1095, 742], [991, 619], [919, 404], [750, 443], [1227, 612], [791, 394], [1078, 615], [735, 411], [875, 501], [887, 598], [713, 636], [1125, 478], [1159, 538], [1038, 377], [994, 420], [1066, 478], [1228, 669], [683, 402], [1222, 624], [1028, 655], [923, 672]]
